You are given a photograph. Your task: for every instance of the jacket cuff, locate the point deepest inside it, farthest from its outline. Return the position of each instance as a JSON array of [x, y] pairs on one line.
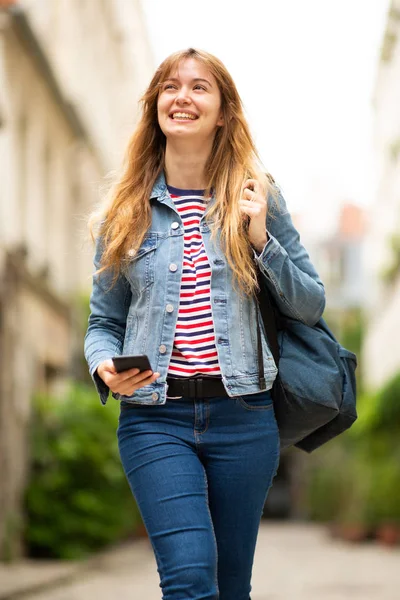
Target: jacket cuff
[[102, 389], [271, 248]]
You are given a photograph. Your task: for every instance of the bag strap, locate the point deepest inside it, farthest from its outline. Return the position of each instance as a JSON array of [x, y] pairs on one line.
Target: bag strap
[[261, 374], [265, 308]]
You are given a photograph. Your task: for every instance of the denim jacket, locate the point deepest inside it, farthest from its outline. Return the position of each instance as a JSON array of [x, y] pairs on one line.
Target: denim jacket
[[138, 315]]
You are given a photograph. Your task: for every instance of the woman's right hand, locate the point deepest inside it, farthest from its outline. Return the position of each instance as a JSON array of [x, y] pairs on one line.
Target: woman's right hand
[[126, 382]]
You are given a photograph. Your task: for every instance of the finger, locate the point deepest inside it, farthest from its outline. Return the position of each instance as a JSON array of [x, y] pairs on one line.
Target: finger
[[129, 390], [115, 380], [249, 207], [137, 378], [125, 384], [249, 195], [147, 380], [142, 376], [251, 184], [128, 374], [251, 210]]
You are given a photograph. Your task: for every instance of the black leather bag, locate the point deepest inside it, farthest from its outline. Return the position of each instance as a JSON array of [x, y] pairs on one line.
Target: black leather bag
[[314, 393]]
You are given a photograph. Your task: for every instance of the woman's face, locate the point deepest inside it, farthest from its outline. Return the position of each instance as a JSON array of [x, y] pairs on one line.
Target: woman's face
[[189, 103]]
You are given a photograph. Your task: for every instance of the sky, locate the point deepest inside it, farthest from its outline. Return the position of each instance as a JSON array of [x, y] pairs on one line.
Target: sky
[[305, 71]]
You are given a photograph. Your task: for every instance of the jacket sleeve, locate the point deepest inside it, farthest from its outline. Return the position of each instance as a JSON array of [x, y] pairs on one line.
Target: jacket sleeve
[[109, 306], [290, 276]]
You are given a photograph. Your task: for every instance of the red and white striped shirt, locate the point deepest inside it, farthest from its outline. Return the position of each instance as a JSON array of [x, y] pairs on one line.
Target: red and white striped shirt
[[194, 351]]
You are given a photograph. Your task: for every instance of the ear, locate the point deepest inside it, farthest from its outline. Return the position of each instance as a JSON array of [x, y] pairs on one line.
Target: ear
[[221, 122]]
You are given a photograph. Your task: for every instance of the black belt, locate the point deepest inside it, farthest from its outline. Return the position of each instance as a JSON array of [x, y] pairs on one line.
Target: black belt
[[195, 387]]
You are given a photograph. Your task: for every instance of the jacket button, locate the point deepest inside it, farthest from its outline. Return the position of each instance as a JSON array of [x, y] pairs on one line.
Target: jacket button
[[131, 252], [175, 225], [162, 349], [169, 308], [173, 267], [154, 396]]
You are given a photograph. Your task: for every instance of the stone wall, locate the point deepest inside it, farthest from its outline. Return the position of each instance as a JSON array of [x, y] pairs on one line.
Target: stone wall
[[68, 103]]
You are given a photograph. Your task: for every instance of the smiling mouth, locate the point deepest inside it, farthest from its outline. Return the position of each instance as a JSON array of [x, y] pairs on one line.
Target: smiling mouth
[[182, 116]]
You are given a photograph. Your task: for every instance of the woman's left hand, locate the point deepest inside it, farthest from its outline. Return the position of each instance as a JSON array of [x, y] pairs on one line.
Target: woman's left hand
[[253, 203]]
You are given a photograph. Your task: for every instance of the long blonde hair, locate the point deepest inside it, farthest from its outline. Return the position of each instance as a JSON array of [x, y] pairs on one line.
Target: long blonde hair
[[126, 216]]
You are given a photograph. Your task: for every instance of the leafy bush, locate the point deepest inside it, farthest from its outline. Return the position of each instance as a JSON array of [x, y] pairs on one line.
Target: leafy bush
[[383, 497], [356, 478], [325, 486], [78, 499], [388, 407]]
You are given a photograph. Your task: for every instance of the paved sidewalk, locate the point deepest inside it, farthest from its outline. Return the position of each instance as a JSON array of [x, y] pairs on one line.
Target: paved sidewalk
[[293, 562]]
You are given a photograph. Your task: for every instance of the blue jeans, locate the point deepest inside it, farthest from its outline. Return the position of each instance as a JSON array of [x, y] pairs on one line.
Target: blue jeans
[[200, 471]]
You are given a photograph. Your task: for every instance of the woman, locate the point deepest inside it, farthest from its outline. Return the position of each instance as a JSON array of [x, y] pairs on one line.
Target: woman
[[188, 222]]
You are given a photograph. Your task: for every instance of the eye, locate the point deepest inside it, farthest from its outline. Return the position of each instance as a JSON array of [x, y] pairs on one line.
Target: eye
[[169, 86], [201, 87]]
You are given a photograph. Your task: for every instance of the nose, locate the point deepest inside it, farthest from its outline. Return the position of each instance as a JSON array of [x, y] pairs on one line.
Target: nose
[[183, 96]]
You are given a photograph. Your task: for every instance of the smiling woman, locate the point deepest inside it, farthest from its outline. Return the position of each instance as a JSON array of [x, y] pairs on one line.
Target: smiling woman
[[191, 96], [189, 109], [183, 233]]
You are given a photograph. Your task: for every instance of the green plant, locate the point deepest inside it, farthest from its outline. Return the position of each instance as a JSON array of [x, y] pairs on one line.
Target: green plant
[[388, 406], [355, 480], [326, 484], [352, 329], [379, 412], [352, 332], [77, 499], [383, 497]]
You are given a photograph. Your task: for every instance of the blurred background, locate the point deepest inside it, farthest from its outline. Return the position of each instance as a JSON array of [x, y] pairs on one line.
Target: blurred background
[[321, 86]]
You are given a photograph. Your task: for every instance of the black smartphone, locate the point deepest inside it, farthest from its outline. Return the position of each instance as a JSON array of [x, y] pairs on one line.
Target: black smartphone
[[123, 363]]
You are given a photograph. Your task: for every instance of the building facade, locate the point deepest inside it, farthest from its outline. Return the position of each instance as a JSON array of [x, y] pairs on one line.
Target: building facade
[[339, 260], [71, 74], [381, 352]]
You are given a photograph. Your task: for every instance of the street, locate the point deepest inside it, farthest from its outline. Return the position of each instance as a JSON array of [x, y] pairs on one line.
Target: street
[[293, 562]]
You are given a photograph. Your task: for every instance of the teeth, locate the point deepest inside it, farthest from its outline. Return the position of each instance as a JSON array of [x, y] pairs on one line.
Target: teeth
[[183, 116]]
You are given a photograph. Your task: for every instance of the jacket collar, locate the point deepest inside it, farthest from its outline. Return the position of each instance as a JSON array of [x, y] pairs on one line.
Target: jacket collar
[[160, 190]]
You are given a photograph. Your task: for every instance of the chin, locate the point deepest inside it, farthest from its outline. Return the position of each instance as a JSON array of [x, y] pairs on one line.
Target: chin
[[179, 133]]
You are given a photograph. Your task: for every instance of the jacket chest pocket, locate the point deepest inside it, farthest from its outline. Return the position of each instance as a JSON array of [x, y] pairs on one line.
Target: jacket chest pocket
[[140, 266]]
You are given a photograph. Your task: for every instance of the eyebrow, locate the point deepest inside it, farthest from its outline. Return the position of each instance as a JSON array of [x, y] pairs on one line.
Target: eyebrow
[[193, 80]]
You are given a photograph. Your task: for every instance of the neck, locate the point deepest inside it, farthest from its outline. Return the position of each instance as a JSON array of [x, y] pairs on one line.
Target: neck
[[185, 167]]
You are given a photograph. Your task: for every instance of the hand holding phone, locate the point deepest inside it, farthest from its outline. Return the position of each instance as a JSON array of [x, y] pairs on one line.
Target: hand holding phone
[[118, 375]]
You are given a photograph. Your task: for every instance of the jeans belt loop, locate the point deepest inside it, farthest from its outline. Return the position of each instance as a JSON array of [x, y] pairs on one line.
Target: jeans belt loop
[[192, 388]]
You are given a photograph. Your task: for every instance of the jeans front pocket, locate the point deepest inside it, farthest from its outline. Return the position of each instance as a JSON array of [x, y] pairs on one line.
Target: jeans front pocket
[[258, 401]]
